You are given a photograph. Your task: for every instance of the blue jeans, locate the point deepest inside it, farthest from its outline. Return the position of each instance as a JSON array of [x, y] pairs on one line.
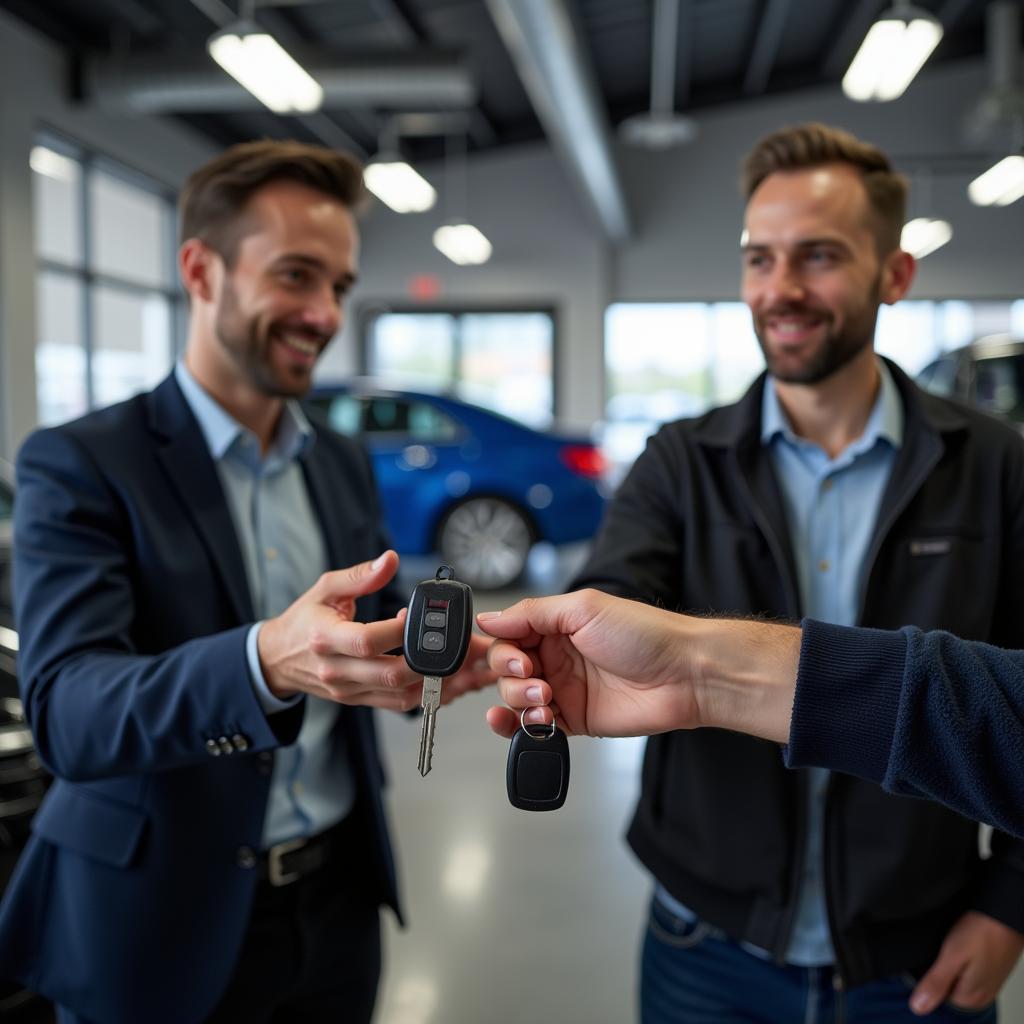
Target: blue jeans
[[692, 973]]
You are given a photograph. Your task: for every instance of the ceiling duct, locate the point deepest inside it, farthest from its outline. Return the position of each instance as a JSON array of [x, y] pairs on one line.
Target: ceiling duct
[[999, 115], [147, 85], [556, 72], [661, 127]]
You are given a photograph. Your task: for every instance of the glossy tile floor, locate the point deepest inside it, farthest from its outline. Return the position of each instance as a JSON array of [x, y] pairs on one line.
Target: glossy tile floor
[[516, 917]]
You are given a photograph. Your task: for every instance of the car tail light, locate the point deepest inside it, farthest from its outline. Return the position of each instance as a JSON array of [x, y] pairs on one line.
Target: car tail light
[[584, 459]]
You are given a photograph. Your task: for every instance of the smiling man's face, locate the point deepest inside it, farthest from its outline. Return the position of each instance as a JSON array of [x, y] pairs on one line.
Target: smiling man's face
[[281, 300], [812, 274]]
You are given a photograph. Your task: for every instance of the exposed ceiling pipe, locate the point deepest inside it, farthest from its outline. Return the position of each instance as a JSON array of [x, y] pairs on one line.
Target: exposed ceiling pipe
[[150, 86], [661, 127], [556, 72], [999, 116]]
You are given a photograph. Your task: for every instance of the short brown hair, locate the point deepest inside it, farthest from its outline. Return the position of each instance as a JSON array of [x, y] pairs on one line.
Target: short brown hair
[[215, 195], [803, 146]]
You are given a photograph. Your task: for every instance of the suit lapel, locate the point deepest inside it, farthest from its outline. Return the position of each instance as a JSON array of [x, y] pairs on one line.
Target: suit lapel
[[193, 475]]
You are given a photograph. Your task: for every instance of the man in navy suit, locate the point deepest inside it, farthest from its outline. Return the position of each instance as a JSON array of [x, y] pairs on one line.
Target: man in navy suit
[[198, 679]]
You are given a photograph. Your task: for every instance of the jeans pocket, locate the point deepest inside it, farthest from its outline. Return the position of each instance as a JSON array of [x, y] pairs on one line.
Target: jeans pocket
[[675, 931]]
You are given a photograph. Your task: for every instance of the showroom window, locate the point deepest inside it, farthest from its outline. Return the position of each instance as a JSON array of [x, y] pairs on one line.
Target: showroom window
[[107, 298], [670, 359], [502, 360]]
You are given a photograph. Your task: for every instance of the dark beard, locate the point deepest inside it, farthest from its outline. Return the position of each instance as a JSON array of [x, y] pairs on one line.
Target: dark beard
[[838, 349], [249, 349]]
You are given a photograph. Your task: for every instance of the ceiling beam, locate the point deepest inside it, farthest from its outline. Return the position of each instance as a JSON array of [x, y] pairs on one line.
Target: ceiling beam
[[546, 47], [766, 47]]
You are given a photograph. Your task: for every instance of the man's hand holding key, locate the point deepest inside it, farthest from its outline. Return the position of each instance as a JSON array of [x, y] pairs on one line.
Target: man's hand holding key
[[316, 647]]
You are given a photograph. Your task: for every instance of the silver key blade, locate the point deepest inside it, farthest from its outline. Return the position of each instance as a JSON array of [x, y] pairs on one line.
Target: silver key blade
[[431, 702]]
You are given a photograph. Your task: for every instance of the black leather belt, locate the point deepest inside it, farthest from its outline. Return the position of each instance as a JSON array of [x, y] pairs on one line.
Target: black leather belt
[[294, 859]]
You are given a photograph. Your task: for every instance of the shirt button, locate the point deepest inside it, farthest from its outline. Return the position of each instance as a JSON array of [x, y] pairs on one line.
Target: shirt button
[[824, 565], [246, 857], [271, 554], [826, 485]]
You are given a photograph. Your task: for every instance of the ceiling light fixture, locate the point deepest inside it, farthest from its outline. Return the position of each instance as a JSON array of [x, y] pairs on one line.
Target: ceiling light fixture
[[893, 51], [1000, 185], [459, 240], [462, 243], [54, 165], [398, 185], [257, 61], [923, 235]]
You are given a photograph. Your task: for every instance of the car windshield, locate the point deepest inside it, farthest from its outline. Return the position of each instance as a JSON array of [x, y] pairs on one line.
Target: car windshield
[[998, 386]]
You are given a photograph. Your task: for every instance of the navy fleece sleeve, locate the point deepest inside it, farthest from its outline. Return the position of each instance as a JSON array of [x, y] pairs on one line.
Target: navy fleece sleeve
[[923, 714]]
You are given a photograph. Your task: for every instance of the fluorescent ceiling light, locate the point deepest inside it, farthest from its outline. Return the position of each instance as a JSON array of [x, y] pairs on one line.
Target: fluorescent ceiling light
[[53, 165], [893, 51], [8, 638], [1000, 185], [397, 185], [924, 235], [258, 62], [462, 244]]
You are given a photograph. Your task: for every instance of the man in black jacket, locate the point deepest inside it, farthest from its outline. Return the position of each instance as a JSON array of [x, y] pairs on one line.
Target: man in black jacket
[[834, 489]]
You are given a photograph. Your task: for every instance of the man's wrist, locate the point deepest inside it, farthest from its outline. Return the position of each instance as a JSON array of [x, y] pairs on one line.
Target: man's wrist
[[745, 675]]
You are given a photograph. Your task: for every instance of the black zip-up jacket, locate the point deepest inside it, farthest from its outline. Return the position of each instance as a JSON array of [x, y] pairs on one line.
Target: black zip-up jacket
[[698, 526]]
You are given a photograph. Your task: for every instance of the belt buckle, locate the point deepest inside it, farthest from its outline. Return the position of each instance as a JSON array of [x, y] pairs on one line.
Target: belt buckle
[[276, 874]]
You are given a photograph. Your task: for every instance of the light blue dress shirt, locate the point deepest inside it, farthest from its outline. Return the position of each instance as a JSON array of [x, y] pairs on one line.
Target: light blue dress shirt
[[284, 554], [831, 508]]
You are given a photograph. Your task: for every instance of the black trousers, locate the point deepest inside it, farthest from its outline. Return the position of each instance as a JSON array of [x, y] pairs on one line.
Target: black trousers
[[311, 953]]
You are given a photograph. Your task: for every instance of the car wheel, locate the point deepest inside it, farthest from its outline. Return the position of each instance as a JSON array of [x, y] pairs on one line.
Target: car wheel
[[487, 541]]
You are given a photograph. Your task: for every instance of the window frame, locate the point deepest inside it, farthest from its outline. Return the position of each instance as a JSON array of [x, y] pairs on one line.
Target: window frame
[[367, 313], [92, 161]]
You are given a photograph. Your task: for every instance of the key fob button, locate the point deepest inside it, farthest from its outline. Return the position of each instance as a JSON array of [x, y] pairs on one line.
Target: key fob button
[[432, 641], [435, 620]]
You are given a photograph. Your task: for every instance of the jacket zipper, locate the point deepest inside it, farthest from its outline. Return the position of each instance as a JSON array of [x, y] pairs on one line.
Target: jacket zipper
[[881, 533], [838, 979], [793, 599]]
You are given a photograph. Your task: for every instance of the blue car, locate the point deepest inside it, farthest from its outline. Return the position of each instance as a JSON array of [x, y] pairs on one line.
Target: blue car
[[477, 487]]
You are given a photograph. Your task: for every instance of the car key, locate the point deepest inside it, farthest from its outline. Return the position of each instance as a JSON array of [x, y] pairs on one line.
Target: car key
[[438, 628], [537, 774]]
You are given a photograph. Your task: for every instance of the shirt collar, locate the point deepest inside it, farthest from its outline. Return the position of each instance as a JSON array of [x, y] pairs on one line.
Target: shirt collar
[[222, 431], [886, 421]]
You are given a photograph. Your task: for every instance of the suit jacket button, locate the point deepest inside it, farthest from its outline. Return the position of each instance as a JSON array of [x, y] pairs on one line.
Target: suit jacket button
[[225, 745], [240, 742], [246, 857], [213, 748], [266, 762]]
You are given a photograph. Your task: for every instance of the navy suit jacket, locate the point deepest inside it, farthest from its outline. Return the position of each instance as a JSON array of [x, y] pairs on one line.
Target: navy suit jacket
[[131, 899]]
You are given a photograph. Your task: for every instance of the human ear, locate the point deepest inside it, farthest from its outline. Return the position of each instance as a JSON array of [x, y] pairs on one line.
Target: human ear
[[897, 275], [199, 267]]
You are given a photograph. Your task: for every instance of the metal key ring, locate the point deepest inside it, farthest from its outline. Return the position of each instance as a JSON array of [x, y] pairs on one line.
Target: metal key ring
[[536, 725]]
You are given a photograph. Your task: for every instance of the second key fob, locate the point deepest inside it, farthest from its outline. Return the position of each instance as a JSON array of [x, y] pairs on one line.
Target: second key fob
[[537, 774]]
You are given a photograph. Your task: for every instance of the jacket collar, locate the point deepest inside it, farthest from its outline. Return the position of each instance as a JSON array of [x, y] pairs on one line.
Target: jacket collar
[[739, 424]]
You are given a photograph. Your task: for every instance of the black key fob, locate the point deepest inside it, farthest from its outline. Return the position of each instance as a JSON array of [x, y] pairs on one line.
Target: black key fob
[[537, 774]]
